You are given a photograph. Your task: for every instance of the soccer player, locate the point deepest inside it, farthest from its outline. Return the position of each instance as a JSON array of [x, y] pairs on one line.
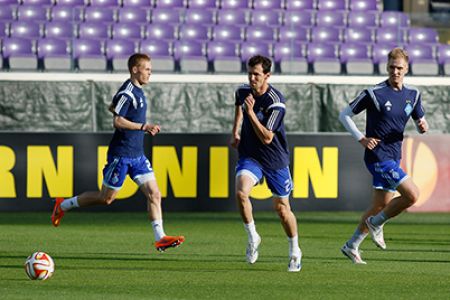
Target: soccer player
[[388, 105], [263, 152], [126, 154]]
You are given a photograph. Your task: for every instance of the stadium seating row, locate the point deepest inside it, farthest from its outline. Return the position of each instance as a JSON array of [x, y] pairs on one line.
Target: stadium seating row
[[218, 56], [218, 4]]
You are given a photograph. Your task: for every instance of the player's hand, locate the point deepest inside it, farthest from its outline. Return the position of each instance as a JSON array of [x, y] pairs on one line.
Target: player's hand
[[369, 143], [422, 125], [249, 102], [235, 140], [151, 129]]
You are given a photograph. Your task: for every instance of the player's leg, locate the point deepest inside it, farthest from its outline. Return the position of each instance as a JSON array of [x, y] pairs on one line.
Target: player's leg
[[391, 177], [248, 173], [142, 173]]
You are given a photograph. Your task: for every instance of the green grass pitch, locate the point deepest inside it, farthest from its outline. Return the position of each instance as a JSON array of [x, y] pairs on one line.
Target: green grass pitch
[[110, 256]]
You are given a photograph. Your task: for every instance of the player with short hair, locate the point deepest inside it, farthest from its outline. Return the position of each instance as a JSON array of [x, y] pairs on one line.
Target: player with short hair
[[126, 154], [263, 152], [388, 105]]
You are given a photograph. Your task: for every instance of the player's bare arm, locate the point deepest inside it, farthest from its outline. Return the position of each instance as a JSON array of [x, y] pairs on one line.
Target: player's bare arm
[[264, 135], [422, 125], [369, 142], [235, 135]]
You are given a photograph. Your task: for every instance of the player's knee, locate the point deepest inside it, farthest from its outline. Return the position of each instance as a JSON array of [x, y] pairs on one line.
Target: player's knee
[[413, 196], [108, 200], [156, 196], [241, 195], [282, 210]]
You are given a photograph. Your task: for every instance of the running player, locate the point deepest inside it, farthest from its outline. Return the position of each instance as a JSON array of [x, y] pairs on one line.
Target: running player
[[388, 105], [263, 152], [126, 154]]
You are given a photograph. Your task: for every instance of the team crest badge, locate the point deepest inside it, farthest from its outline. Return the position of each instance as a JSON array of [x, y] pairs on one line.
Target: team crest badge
[[388, 105], [408, 108]]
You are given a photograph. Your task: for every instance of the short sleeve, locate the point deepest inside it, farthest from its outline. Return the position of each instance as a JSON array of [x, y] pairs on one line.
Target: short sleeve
[[274, 117], [418, 111], [121, 104], [361, 102]]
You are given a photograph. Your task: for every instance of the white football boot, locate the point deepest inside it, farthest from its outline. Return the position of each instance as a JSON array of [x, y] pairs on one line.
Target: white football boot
[[376, 233], [295, 263], [353, 254], [252, 250]]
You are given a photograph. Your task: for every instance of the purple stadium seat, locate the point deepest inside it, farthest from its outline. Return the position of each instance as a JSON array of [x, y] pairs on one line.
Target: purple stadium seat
[[249, 49], [326, 34], [232, 17], [296, 18], [193, 32], [9, 2], [32, 13], [443, 52], [43, 3], [362, 19], [137, 3], [224, 56], [359, 35], [67, 14], [73, 3], [300, 5], [26, 29], [227, 33], [4, 30], [104, 3], [363, 5], [171, 4], [268, 4], [423, 35], [127, 31], [133, 15], [166, 16], [118, 51], [200, 16], [357, 58], [290, 57], [7, 13], [94, 30], [55, 54], [191, 56], [330, 18], [260, 33], [19, 53], [99, 14], [161, 54], [89, 54], [390, 35], [422, 59], [203, 4], [379, 55], [266, 17], [394, 19], [161, 32], [59, 30], [324, 58], [332, 5], [236, 4], [299, 34]]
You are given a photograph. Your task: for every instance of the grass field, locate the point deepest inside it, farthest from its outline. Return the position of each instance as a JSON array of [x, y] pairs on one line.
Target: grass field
[[110, 256]]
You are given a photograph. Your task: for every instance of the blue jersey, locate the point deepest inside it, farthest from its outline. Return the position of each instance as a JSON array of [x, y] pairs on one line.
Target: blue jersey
[[270, 109], [130, 103], [387, 112]]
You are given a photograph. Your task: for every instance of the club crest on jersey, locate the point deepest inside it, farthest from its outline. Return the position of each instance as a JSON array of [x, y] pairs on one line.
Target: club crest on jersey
[[408, 108], [388, 105]]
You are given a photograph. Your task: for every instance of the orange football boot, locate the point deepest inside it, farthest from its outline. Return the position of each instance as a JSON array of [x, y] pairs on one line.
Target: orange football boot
[[58, 213], [169, 242]]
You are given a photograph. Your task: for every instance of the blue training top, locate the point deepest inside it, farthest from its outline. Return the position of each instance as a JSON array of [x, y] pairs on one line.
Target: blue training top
[[387, 112], [270, 109], [130, 103]]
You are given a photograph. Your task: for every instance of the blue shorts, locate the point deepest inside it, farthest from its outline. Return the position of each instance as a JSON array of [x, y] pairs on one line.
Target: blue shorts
[[117, 168], [387, 175], [278, 181]]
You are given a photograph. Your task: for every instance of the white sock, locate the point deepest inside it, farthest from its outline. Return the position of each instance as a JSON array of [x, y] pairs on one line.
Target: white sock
[[250, 228], [356, 239], [158, 229], [294, 249], [69, 203]]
